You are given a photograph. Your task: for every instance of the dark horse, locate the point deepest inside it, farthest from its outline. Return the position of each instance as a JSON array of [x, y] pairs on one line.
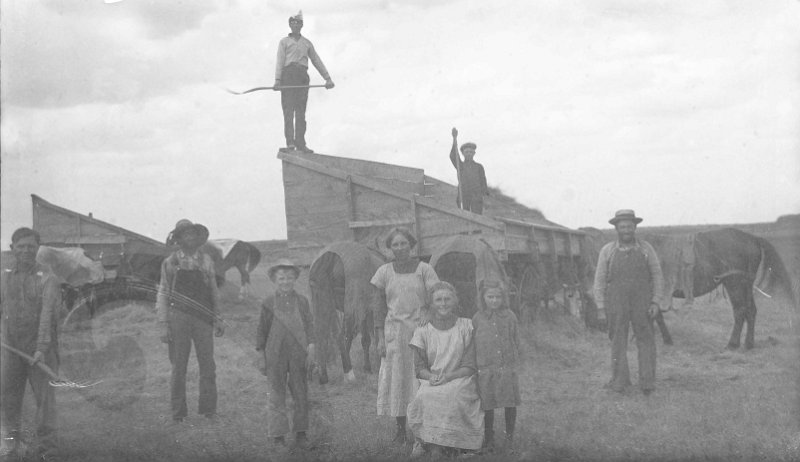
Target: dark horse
[[340, 288], [727, 257], [240, 255], [732, 258]]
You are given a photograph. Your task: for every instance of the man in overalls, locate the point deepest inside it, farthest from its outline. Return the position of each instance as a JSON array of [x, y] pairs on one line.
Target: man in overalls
[[30, 296], [629, 284], [188, 307]]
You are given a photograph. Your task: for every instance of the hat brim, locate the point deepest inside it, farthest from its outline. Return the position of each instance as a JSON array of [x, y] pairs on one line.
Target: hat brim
[[635, 220], [271, 271], [176, 233]]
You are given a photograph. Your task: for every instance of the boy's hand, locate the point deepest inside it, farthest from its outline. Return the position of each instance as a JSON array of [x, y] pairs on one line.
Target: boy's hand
[[219, 328], [277, 86], [454, 132]]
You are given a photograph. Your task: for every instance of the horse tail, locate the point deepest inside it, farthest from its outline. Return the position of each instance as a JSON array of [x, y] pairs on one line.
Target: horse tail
[[253, 256], [774, 272]]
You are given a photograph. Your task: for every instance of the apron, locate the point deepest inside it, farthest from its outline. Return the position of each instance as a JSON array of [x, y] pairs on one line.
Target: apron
[[405, 295]]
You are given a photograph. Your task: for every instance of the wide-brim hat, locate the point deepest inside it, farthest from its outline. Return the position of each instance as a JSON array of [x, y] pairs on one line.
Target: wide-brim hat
[[283, 263], [625, 214], [468, 144], [184, 225]]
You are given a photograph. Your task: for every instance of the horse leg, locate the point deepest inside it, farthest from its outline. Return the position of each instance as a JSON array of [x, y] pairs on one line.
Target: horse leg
[[750, 318], [245, 276], [737, 293], [345, 341], [662, 327], [366, 326]]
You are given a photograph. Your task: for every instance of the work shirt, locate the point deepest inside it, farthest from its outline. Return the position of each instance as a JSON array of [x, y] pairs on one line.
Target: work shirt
[[472, 175], [298, 50], [180, 260], [601, 276], [29, 302]]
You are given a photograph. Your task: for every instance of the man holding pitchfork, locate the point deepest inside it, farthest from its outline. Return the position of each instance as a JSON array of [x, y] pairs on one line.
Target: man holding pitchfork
[[30, 296], [291, 70]]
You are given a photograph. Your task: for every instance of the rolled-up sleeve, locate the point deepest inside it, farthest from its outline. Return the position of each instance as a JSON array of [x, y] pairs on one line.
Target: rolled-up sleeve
[[162, 299], [280, 61], [51, 301], [601, 276], [317, 62], [657, 276]]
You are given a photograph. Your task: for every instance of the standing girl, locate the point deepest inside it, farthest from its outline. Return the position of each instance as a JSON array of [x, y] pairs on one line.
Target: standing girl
[[498, 352]]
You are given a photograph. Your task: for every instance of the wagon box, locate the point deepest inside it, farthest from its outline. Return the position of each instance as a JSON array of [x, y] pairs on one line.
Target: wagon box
[[330, 199]]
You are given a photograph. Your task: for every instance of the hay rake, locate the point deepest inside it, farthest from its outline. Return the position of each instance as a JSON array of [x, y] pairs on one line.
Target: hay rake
[[56, 380]]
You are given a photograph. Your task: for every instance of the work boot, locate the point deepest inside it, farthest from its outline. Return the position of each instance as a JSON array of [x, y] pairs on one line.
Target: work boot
[[305, 149]]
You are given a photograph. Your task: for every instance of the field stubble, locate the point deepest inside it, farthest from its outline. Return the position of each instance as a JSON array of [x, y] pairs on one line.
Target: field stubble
[[710, 403]]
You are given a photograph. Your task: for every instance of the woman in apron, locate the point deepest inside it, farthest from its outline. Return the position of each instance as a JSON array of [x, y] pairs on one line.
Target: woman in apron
[[403, 284]]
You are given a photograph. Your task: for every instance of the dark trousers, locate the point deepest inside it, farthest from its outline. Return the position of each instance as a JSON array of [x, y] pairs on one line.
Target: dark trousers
[[293, 102], [185, 330], [629, 307], [288, 368], [473, 202], [16, 372]]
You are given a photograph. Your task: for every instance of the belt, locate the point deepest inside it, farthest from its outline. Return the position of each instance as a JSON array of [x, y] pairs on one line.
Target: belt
[[296, 64]]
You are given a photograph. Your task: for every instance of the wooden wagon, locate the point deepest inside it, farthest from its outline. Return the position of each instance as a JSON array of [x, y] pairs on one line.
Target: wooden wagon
[[330, 199]]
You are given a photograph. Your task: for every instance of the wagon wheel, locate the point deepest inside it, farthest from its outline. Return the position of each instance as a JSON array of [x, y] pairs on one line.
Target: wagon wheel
[[527, 296]]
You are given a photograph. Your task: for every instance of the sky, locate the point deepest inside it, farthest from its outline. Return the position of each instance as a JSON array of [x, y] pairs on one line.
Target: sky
[[686, 111]]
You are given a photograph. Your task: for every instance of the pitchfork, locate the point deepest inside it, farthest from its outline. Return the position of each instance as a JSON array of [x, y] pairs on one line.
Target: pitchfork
[[56, 380]]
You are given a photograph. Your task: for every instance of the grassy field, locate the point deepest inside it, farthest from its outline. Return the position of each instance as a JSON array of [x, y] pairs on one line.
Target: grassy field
[[710, 403]]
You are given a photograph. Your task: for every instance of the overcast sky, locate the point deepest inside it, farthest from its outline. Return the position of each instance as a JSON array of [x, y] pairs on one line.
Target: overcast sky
[[687, 111]]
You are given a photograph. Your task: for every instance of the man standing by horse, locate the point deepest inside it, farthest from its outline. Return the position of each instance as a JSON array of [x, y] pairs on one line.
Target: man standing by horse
[[188, 308], [291, 70], [30, 296], [628, 285]]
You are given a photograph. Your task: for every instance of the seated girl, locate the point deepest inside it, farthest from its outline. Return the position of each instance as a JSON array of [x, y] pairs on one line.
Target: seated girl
[[445, 414]]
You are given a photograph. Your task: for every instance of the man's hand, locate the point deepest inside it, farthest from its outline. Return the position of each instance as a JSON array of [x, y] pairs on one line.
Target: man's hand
[[261, 363], [166, 334], [311, 360], [277, 86], [654, 309], [329, 84], [219, 328], [455, 133], [38, 356]]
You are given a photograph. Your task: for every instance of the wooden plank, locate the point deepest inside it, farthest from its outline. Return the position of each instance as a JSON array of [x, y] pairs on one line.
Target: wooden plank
[[379, 223]]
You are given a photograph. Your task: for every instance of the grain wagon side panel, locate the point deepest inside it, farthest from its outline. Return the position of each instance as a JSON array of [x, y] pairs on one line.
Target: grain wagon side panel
[[316, 207]]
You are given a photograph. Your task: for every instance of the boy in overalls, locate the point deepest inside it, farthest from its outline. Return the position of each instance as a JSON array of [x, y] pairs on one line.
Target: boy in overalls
[[285, 342], [188, 307]]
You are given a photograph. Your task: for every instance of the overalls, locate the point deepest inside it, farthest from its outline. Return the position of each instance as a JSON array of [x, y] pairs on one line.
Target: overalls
[[286, 356], [628, 296], [189, 323]]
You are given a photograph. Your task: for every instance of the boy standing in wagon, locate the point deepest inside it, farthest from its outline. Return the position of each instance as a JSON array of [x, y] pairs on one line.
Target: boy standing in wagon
[[285, 342]]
